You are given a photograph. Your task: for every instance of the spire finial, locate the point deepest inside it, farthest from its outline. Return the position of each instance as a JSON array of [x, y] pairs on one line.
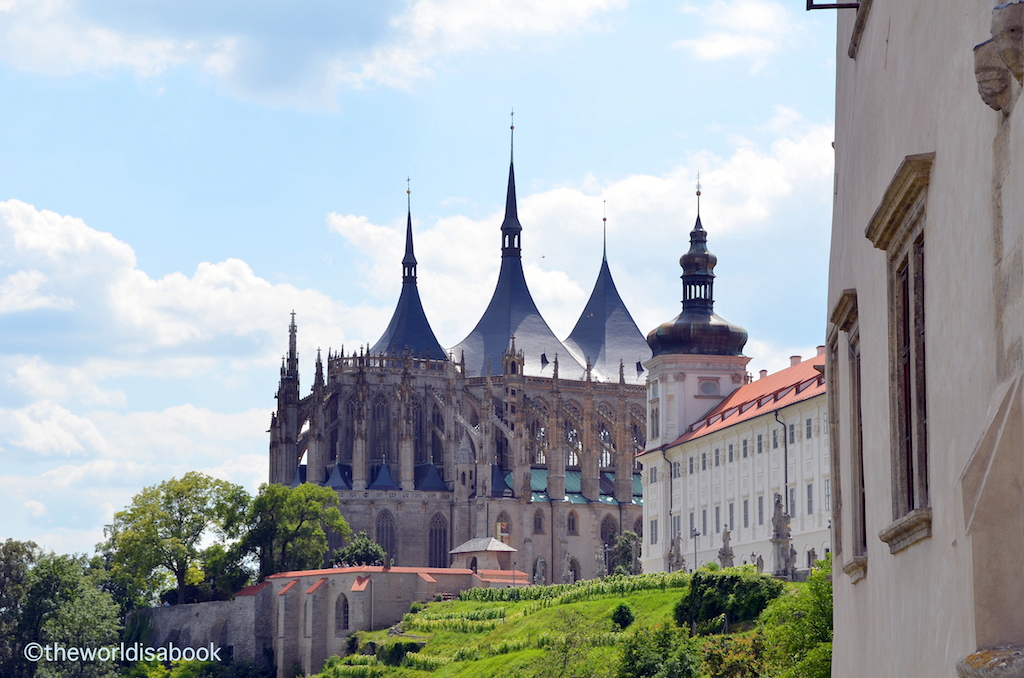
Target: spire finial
[[409, 261], [604, 233], [408, 194], [512, 135], [698, 193]]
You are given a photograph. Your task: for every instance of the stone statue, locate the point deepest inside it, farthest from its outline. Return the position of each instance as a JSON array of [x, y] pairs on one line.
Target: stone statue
[[540, 577], [780, 521], [992, 75], [812, 558], [725, 554], [599, 562], [760, 564], [792, 560], [726, 538], [567, 577]]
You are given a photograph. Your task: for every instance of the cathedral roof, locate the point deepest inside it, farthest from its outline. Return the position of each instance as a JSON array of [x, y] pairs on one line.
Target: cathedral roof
[[409, 328], [513, 313], [606, 334]]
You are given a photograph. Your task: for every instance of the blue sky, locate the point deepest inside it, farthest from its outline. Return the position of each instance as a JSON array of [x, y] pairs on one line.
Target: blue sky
[[176, 177]]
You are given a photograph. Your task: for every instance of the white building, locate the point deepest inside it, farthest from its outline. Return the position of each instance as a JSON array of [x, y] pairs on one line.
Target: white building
[[726, 468]]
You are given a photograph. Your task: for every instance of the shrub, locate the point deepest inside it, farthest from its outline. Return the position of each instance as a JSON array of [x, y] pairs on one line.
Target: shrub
[[393, 652], [798, 628], [719, 597], [622, 616], [659, 652], [417, 606]]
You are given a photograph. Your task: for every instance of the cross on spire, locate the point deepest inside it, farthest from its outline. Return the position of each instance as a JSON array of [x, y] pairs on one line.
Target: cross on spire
[[698, 193]]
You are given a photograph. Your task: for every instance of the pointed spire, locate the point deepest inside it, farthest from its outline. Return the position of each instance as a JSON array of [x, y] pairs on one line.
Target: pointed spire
[[293, 353], [510, 227], [409, 260], [604, 233], [318, 381]]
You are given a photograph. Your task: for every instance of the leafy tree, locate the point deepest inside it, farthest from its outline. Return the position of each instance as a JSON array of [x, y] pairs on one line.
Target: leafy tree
[[361, 550], [798, 628], [162, 529], [568, 654], [64, 605], [736, 656], [718, 598], [661, 652], [16, 559], [622, 616], [625, 553], [286, 527]]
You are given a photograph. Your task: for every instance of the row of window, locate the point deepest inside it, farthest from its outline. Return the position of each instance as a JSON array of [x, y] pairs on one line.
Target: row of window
[[746, 512]]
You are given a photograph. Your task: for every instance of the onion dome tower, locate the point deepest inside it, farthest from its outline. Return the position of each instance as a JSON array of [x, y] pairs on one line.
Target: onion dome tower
[[409, 328], [698, 330], [513, 313], [697, 357], [606, 334]]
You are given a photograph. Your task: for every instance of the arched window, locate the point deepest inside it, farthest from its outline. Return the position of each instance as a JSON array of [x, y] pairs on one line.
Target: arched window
[[604, 436], [386, 533], [380, 429], [571, 523], [503, 528], [341, 615], [418, 441], [538, 522], [438, 541], [437, 440], [609, 530], [572, 439], [348, 432]]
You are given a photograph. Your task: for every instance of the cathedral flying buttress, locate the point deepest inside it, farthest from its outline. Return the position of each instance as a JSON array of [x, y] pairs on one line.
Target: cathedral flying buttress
[[511, 434]]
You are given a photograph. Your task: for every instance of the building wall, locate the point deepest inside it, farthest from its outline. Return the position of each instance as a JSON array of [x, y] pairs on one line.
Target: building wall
[[677, 494], [910, 90]]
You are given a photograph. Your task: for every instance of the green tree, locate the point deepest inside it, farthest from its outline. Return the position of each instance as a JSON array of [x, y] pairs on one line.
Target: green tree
[[16, 560], [798, 628], [718, 598], [567, 655], [286, 527], [65, 606], [163, 528], [622, 616], [659, 652], [361, 550], [626, 553]]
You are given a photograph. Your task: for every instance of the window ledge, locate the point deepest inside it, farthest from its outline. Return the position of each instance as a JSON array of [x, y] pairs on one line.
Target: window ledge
[[857, 568], [909, 529]]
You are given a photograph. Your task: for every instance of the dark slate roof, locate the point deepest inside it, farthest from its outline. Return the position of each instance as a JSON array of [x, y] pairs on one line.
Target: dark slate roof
[[341, 476], [409, 328], [427, 479], [300, 476], [512, 312], [499, 488], [606, 334], [383, 481]]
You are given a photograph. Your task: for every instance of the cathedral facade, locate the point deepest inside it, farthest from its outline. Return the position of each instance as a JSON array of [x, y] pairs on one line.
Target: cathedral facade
[[511, 434]]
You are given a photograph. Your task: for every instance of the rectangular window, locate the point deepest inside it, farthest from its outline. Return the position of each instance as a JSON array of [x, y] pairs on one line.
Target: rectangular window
[[744, 448], [828, 495], [718, 519], [730, 453], [746, 513], [653, 475], [792, 502], [677, 469], [691, 465], [760, 443], [703, 521], [677, 525], [760, 509], [654, 531], [732, 524], [810, 498], [792, 434], [691, 522], [775, 438], [703, 461], [808, 436], [716, 456], [860, 523]]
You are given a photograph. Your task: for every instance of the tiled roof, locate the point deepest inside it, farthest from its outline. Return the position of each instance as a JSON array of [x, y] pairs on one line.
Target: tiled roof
[[762, 396]]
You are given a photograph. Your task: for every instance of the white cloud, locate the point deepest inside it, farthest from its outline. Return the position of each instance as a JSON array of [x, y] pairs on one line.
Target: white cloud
[[48, 429], [20, 292], [733, 28], [36, 508]]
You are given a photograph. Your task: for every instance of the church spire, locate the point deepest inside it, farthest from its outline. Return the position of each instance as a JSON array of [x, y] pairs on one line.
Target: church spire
[[293, 354], [510, 227], [409, 260]]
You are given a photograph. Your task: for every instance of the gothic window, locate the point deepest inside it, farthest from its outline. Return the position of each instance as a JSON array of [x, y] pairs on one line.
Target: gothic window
[[572, 439], [604, 437], [438, 541], [609, 529], [341, 615], [380, 429], [348, 428], [418, 441], [437, 439], [503, 528], [386, 534], [501, 449], [538, 522], [572, 458], [571, 525]]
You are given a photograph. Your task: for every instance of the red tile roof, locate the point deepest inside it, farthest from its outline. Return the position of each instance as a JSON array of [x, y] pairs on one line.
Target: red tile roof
[[253, 590], [316, 585], [762, 396]]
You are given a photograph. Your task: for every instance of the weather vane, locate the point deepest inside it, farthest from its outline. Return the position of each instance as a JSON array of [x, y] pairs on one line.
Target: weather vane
[[698, 193]]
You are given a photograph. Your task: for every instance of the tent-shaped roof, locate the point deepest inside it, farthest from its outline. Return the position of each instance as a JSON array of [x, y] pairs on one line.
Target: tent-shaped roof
[[409, 328], [481, 544], [513, 313], [606, 334]]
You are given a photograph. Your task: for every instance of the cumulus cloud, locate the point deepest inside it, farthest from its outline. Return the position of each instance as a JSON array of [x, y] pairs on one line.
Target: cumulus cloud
[[48, 429], [734, 28], [270, 51]]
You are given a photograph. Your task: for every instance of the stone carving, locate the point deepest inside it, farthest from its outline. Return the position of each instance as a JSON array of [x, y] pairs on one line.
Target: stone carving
[[567, 577], [992, 75], [812, 558], [540, 577], [599, 567], [780, 520], [1008, 35], [676, 561], [725, 554], [760, 564]]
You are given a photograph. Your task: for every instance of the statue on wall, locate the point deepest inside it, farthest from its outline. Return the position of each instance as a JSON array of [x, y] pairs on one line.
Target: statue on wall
[[780, 520], [540, 576]]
